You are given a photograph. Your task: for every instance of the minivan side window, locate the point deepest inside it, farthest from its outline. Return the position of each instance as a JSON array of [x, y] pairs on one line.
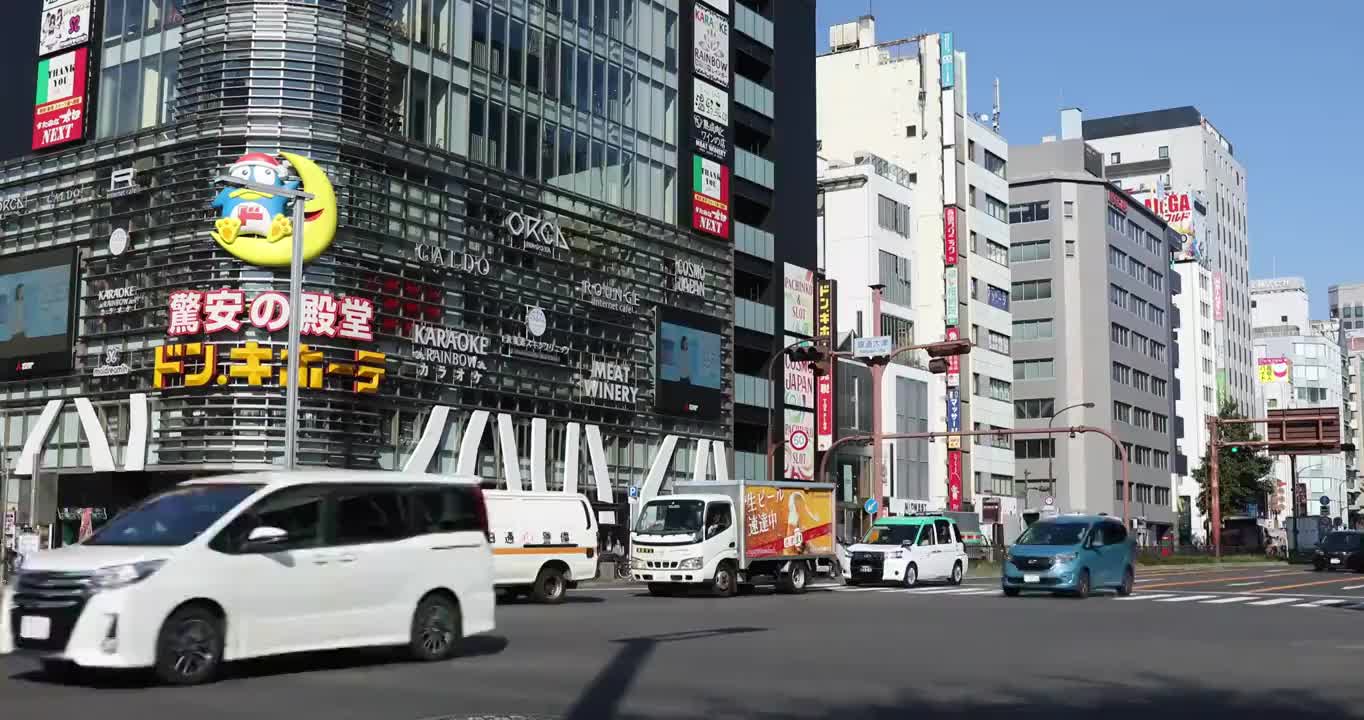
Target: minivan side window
[[296, 510], [1098, 535], [944, 529], [1114, 533], [369, 516], [443, 509], [925, 534]]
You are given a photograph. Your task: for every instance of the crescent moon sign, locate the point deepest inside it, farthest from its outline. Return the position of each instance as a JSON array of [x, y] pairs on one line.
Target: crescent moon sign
[[320, 218]]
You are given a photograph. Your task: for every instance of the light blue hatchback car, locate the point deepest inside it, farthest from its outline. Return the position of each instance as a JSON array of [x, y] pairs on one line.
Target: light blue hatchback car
[[1072, 554]]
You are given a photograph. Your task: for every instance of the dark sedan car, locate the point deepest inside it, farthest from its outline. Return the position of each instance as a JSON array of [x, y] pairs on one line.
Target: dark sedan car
[[1340, 550]]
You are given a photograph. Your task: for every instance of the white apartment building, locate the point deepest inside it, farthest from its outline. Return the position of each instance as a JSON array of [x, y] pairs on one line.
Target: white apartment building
[[1197, 398], [1178, 152], [1303, 369], [958, 166], [865, 238]]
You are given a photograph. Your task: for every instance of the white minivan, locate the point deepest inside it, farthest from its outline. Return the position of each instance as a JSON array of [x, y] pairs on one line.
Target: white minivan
[[241, 566], [544, 543]]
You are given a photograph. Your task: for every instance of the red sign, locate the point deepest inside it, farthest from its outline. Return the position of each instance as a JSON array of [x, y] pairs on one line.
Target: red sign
[[953, 361], [1116, 199], [949, 235], [59, 102], [710, 197], [953, 479]]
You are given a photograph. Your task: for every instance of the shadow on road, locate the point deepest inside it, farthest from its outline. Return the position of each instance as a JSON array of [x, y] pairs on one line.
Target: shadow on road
[[296, 663], [573, 598], [601, 700]]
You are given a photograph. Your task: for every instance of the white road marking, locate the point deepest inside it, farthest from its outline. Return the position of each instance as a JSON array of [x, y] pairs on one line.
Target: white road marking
[[1321, 603], [1352, 587], [844, 588], [1146, 597], [1226, 600], [1276, 601], [992, 591], [1186, 598], [1244, 584], [940, 591]]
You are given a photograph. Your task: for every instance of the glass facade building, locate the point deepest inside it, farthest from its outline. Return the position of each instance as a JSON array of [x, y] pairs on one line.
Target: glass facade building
[[513, 194]]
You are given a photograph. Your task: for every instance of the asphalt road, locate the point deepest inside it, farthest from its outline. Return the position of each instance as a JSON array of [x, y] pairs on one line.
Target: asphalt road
[[966, 652]]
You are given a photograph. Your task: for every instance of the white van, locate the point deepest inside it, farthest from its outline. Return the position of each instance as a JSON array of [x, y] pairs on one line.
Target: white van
[[241, 566], [544, 543]]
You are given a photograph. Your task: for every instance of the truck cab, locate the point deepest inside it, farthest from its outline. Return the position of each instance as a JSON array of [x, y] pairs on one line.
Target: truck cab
[[681, 539]]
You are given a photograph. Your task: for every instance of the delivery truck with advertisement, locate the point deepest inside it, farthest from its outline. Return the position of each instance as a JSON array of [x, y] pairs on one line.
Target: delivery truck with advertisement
[[728, 537]]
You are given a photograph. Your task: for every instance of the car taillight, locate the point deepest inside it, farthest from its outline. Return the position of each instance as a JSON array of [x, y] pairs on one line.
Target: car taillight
[[482, 509]]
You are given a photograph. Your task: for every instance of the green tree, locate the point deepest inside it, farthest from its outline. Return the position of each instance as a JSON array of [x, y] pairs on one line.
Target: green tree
[[1241, 473]]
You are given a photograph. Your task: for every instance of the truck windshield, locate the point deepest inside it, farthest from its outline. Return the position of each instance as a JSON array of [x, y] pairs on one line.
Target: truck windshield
[[1046, 533], [172, 518], [671, 517], [892, 534]]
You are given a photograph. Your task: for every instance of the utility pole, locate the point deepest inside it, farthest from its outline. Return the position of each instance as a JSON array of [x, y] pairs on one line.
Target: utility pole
[[1214, 490], [877, 372]]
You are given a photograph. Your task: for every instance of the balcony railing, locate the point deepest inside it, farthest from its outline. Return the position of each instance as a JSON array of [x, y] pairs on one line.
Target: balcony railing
[[754, 167], [754, 96], [755, 242], [749, 390], [754, 316], [753, 25]]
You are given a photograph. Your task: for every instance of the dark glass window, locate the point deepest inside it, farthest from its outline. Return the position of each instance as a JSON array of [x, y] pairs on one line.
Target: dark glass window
[[533, 60], [444, 509], [531, 151], [495, 134], [551, 67], [497, 61], [513, 141], [517, 45], [584, 79], [369, 516], [480, 32]]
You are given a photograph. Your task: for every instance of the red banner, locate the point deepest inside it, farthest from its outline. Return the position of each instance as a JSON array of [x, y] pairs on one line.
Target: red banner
[[949, 235], [953, 361], [953, 479]]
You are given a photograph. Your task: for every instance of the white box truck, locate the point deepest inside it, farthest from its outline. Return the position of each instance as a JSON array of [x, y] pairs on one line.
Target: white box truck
[[544, 543], [728, 537]]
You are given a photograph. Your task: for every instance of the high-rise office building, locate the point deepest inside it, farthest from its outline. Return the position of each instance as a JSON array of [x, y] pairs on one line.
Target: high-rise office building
[[1176, 160], [521, 246], [1093, 321], [957, 164]]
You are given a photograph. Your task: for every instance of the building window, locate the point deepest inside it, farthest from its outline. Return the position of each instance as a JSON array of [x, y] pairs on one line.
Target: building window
[[1034, 408], [1041, 369], [1312, 394], [1030, 250], [900, 330], [1141, 417], [1116, 218], [895, 277], [1029, 212], [1122, 374], [1001, 390], [1163, 152], [1114, 158], [995, 251], [1117, 259], [1122, 412], [892, 215], [1031, 290], [1068, 207], [1141, 380], [911, 131], [1120, 335], [998, 297], [996, 164], [1158, 388], [1033, 329], [996, 208], [1034, 448], [1118, 296], [998, 342], [1160, 423]]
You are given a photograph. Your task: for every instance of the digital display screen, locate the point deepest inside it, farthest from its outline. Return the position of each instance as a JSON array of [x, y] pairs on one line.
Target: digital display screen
[[690, 364], [35, 313]]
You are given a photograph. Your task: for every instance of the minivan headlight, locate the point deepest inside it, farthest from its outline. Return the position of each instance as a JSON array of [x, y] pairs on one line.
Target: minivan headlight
[[690, 564], [117, 576], [1064, 557]]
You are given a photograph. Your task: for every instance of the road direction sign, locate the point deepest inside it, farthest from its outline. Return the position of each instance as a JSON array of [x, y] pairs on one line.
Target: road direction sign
[[870, 347], [871, 506]]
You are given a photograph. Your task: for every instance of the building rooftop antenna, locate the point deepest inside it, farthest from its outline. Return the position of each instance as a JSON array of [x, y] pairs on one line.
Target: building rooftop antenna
[[994, 117]]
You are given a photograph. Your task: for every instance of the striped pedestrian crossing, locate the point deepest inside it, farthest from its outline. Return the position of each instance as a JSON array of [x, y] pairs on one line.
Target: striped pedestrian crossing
[[1241, 600]]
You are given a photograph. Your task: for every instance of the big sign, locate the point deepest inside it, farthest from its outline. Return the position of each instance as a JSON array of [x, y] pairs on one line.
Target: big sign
[[59, 102]]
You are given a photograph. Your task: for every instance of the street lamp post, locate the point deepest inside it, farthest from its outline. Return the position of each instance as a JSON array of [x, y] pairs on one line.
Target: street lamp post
[[1051, 472], [299, 199]]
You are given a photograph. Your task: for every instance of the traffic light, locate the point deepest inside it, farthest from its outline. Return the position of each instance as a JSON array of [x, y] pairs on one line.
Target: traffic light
[[937, 366], [805, 352]]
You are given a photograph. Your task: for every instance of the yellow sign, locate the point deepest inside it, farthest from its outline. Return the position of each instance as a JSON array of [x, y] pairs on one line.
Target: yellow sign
[[254, 225], [1275, 370], [788, 522], [197, 365]]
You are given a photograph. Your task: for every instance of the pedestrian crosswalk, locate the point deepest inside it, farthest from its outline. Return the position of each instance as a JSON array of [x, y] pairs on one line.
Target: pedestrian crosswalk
[[1262, 600]]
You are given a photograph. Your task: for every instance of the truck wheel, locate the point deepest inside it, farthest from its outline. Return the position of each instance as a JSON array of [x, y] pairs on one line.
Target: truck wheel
[[549, 587], [794, 581], [724, 584], [660, 589]]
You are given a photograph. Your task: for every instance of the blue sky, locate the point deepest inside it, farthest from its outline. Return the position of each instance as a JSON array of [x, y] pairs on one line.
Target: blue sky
[[1281, 80]]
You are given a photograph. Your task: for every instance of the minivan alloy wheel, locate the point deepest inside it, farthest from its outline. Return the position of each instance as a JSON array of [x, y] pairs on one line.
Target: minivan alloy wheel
[[437, 630], [192, 647]]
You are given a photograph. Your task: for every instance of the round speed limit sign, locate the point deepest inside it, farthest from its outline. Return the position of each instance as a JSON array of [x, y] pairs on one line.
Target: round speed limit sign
[[799, 439]]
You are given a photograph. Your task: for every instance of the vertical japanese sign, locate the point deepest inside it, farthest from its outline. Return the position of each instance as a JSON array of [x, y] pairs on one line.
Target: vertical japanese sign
[[953, 361], [59, 102], [800, 445], [710, 120], [949, 65], [953, 417], [826, 326], [953, 479], [1218, 291], [950, 300], [949, 235]]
